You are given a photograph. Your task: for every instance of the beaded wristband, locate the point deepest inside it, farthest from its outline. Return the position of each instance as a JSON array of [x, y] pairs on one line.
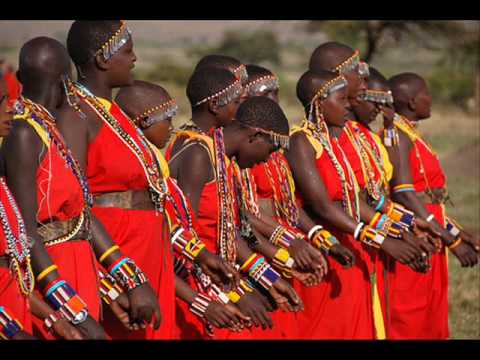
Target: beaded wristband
[[199, 305], [372, 237], [219, 294], [186, 242], [277, 233], [403, 188], [285, 239], [239, 291], [127, 273], [65, 300], [358, 230], [452, 229], [401, 215], [9, 327], [380, 203], [324, 240], [284, 262], [46, 271], [263, 274], [455, 244], [109, 289]]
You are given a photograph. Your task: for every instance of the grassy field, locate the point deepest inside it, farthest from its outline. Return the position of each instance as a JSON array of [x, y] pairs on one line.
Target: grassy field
[[454, 134]]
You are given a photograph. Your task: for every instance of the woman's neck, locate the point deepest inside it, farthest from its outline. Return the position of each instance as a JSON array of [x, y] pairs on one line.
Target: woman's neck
[[97, 86], [231, 140], [44, 98], [205, 121], [410, 115], [335, 131]]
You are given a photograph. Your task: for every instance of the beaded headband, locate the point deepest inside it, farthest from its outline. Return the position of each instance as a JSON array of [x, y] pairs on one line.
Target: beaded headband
[[264, 83], [363, 69], [349, 64], [115, 42], [278, 140], [329, 87], [241, 73], [226, 95], [377, 96], [164, 111]]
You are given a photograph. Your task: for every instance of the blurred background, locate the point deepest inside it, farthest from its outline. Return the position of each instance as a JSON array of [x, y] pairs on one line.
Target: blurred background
[[446, 53]]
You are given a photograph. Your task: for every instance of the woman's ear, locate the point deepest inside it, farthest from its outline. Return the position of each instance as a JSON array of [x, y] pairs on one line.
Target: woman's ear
[[213, 106], [101, 63], [412, 105]]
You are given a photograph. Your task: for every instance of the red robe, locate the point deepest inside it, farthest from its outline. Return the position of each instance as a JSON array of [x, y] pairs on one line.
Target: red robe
[[419, 302], [11, 297], [60, 198], [141, 234], [340, 307]]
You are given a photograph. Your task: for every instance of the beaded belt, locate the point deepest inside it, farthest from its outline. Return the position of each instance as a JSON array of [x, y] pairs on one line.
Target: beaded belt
[[58, 232], [435, 196], [131, 199], [4, 261]]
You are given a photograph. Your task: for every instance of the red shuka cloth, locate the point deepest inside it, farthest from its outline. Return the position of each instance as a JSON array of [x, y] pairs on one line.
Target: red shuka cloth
[[141, 234]]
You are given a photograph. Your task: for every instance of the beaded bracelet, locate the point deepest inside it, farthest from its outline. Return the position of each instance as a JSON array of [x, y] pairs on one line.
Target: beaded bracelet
[[358, 229], [236, 294], [313, 230], [403, 188], [455, 244], [127, 273], [9, 327], [45, 272], [372, 237], [281, 237], [380, 203], [324, 240], [390, 136], [284, 262], [199, 305], [108, 252], [452, 228], [186, 242], [65, 300], [218, 294], [401, 215], [262, 273], [383, 222], [109, 289]]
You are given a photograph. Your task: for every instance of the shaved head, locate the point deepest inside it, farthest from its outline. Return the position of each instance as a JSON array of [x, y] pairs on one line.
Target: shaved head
[[309, 84], [405, 86], [376, 81], [328, 55], [42, 61], [141, 96]]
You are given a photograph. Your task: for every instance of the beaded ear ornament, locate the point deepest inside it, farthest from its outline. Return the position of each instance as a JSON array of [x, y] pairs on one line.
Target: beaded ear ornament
[[163, 111], [115, 42], [264, 83], [241, 74], [226, 95]]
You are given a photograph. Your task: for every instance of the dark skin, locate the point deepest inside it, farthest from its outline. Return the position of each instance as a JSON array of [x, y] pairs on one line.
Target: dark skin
[[193, 169], [218, 314], [417, 108], [101, 77], [301, 157], [158, 134], [38, 307]]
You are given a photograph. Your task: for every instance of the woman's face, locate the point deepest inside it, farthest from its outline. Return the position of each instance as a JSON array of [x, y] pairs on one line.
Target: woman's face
[[255, 150], [159, 133], [356, 85], [334, 108], [423, 103], [6, 111], [226, 114], [121, 65]]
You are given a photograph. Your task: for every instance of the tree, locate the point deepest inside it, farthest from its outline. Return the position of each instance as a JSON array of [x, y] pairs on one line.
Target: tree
[[369, 35]]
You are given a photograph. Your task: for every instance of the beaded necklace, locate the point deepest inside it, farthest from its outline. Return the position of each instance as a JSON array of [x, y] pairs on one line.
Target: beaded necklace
[[190, 125], [226, 189], [159, 190], [17, 244], [42, 116], [373, 188], [320, 133], [284, 195]]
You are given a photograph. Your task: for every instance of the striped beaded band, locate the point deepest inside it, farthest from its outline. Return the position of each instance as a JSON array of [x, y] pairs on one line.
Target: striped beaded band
[[225, 96], [166, 110], [349, 64], [401, 215], [200, 304], [403, 188], [377, 96], [323, 239], [372, 237], [264, 83], [186, 242], [65, 300], [9, 327], [109, 289], [115, 42], [127, 273]]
